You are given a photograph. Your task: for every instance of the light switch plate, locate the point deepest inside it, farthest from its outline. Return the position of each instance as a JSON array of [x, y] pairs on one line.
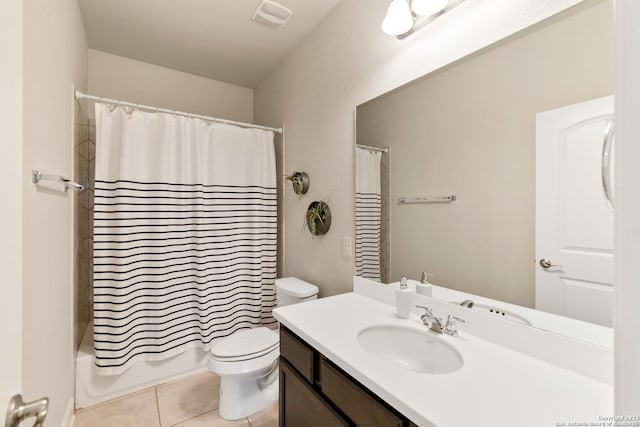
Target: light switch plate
[[346, 246]]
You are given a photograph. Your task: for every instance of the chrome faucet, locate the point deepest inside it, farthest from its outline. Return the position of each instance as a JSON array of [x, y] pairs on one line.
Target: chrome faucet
[[436, 324], [430, 320]]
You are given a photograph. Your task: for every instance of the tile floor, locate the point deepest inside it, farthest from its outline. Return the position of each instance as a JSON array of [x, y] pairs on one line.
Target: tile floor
[[189, 402]]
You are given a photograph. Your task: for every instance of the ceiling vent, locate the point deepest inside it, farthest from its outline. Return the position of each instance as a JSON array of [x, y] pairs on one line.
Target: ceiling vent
[[271, 14]]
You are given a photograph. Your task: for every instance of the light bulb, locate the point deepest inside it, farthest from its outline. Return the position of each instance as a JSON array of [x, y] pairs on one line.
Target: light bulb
[[428, 7], [399, 19]]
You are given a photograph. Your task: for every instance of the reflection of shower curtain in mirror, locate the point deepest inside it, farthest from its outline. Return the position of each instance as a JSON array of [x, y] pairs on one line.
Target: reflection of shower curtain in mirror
[[368, 213]]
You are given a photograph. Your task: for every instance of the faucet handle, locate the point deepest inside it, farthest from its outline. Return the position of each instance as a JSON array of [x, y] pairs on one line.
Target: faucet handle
[[427, 317], [451, 328], [427, 310]]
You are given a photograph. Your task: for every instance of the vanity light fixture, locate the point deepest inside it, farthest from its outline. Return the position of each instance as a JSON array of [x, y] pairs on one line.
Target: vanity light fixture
[[399, 19], [405, 17]]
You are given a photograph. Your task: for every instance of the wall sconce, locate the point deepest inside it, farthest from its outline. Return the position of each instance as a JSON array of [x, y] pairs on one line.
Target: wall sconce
[[405, 17]]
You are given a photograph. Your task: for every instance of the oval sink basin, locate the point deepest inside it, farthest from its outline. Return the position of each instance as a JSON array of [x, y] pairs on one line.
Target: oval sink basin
[[410, 349]]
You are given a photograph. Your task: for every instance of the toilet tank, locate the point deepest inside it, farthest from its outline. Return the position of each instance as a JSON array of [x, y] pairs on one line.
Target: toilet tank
[[291, 290]]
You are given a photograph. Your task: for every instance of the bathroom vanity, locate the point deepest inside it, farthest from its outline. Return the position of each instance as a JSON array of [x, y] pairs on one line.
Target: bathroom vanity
[[329, 377], [315, 392]]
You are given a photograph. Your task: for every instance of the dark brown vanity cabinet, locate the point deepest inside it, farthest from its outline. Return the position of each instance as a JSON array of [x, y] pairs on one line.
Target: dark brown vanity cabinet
[[301, 405], [315, 392]]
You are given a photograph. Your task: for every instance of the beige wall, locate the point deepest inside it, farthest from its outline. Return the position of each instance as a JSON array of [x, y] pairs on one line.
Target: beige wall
[[55, 58], [345, 61], [469, 130], [125, 79]]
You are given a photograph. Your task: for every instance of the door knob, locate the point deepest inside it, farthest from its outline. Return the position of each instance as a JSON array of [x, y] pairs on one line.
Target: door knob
[[546, 263], [18, 411]]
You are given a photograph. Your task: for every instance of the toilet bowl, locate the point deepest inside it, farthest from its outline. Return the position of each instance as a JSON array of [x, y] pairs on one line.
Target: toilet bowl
[[247, 360], [247, 363]]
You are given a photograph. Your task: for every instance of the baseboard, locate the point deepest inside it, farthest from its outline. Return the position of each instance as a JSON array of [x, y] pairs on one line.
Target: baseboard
[[69, 416]]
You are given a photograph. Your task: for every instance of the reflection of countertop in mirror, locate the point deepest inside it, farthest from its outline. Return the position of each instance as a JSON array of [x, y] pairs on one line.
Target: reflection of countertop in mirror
[[496, 386], [577, 329]]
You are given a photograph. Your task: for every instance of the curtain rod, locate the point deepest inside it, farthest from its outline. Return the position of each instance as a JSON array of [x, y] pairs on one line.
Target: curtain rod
[[80, 95], [366, 147]]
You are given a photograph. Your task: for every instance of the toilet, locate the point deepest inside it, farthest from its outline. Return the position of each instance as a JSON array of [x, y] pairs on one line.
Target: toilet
[[247, 360]]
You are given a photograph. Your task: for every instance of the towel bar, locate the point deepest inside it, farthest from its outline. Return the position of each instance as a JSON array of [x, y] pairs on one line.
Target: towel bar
[[36, 177], [428, 198]]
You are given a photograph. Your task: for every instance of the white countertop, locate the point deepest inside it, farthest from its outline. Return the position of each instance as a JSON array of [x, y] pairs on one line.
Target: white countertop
[[495, 387]]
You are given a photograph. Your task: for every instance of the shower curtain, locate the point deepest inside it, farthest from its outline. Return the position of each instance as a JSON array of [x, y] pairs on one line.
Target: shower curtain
[[185, 234], [368, 213]]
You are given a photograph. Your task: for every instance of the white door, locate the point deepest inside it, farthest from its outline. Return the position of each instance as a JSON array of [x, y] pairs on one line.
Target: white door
[[11, 195], [574, 222]]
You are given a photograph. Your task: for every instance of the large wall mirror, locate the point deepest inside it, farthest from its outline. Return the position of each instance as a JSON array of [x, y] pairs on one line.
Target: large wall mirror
[[493, 173]]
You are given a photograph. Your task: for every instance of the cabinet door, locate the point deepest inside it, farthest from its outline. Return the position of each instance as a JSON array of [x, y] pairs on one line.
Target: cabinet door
[[297, 352], [355, 402], [300, 405]]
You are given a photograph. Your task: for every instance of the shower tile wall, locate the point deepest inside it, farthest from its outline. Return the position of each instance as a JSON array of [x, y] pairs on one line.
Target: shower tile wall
[[84, 154], [280, 187], [385, 244]]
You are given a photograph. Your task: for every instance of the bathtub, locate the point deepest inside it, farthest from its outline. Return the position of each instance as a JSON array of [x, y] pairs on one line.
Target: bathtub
[[92, 388]]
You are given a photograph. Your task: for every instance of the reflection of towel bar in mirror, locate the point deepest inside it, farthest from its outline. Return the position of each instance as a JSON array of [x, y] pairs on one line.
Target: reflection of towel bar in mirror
[[367, 147], [427, 198], [36, 177]]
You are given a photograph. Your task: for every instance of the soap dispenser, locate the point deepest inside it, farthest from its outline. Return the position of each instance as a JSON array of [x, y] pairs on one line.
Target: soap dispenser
[[424, 287], [403, 299]]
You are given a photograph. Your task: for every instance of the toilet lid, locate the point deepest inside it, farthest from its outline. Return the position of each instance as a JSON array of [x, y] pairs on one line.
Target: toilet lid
[[296, 287], [245, 342]]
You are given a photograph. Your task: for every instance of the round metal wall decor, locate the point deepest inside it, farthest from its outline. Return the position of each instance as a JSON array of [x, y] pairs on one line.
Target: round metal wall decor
[[318, 218], [300, 182]]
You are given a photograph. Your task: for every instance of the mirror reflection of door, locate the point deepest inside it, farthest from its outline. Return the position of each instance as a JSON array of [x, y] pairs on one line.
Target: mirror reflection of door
[[574, 220]]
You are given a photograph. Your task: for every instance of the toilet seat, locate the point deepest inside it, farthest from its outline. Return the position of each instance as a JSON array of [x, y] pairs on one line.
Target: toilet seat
[[244, 351], [245, 345]]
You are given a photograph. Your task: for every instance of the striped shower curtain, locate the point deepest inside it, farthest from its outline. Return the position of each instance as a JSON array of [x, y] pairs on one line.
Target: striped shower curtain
[[185, 234], [368, 213]]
